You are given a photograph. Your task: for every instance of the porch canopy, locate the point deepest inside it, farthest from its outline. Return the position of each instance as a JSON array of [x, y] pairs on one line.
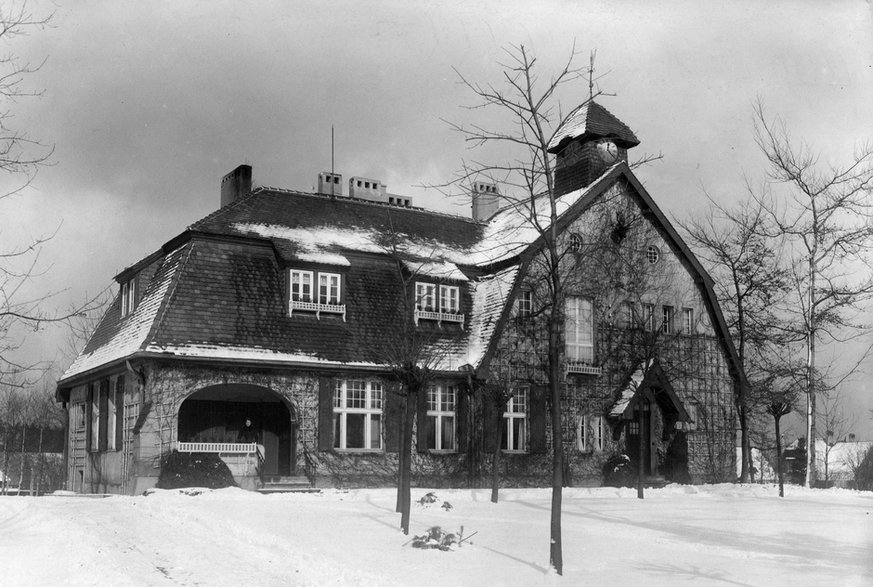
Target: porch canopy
[[649, 382]]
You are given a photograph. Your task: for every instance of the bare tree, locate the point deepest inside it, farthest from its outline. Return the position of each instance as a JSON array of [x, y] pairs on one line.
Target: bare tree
[[823, 212], [834, 425], [751, 285]]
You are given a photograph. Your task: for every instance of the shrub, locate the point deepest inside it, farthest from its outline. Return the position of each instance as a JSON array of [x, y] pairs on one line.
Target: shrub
[[194, 470], [618, 472]]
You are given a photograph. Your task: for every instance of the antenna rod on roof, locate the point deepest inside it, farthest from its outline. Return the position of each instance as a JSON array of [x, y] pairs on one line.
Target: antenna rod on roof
[[331, 162]]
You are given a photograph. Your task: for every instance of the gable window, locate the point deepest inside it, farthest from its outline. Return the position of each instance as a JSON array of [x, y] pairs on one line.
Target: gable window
[[575, 243], [128, 297], [590, 433], [525, 303], [579, 330], [441, 403], [443, 308], [667, 316], [653, 255], [688, 320], [515, 417], [303, 295], [357, 410]]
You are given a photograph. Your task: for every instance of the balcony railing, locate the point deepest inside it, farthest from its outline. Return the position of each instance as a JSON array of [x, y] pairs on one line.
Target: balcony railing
[[222, 447], [440, 317], [317, 308], [583, 368]]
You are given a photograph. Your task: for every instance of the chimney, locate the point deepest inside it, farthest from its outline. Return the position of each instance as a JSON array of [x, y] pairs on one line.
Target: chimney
[[486, 200], [330, 184], [236, 184]]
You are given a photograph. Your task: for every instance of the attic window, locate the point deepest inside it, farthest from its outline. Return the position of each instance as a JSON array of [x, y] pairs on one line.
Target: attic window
[[304, 297], [128, 297], [653, 255], [443, 308]]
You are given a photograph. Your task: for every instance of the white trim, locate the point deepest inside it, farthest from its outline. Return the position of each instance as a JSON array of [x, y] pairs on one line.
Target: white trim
[[373, 400], [445, 396]]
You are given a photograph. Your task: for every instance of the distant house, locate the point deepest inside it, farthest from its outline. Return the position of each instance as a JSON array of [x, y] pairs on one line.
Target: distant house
[[841, 463], [285, 307]]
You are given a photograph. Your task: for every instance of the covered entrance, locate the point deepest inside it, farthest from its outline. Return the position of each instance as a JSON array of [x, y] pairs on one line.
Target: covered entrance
[[215, 415], [650, 409]]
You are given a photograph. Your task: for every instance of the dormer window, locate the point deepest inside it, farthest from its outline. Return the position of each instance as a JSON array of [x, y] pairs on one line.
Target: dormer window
[[128, 297], [441, 303], [327, 299]]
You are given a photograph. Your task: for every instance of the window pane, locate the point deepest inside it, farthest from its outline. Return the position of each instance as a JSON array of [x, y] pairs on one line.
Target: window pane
[[431, 432], [336, 431], [518, 433], [355, 431], [376, 396], [448, 432], [433, 399], [375, 431]]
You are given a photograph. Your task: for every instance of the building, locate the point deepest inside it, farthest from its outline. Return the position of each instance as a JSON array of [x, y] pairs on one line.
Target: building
[[290, 308]]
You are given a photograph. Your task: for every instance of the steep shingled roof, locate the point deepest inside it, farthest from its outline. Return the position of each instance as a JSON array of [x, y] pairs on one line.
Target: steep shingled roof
[[591, 120]]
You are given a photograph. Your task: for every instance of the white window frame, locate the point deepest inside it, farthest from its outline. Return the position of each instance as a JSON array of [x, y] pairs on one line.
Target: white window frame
[[292, 290], [330, 281], [668, 314], [579, 329], [442, 405], [516, 409], [688, 320], [649, 317], [128, 297], [95, 419], [590, 433], [450, 299], [525, 303], [425, 297], [373, 402], [110, 419]]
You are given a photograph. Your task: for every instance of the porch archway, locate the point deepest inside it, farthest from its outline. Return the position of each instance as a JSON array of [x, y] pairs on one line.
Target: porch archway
[[216, 413]]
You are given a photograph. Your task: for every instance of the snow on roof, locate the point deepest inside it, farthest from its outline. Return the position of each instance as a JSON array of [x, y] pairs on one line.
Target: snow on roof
[[135, 327], [444, 270], [213, 351], [627, 394], [489, 298]]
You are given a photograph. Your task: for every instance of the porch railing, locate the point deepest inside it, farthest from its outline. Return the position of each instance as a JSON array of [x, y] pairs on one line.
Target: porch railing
[[223, 447], [244, 459]]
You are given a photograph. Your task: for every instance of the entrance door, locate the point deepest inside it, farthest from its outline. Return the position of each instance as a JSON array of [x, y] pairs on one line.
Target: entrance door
[[637, 448]]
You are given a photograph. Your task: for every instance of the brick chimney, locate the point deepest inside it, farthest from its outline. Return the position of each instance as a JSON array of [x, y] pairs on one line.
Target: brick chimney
[[590, 142], [236, 184], [486, 200]]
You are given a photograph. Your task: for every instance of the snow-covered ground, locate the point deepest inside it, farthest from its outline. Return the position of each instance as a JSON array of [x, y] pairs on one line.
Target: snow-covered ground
[[678, 535]]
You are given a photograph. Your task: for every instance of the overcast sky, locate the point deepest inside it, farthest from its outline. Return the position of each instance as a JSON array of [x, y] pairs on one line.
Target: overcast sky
[[149, 104]]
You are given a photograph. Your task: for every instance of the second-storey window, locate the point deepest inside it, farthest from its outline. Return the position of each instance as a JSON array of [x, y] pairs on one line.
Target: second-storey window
[[688, 320], [525, 303], [425, 297], [449, 299], [301, 286], [649, 317], [579, 329], [667, 324], [328, 288], [515, 417], [441, 402], [357, 410]]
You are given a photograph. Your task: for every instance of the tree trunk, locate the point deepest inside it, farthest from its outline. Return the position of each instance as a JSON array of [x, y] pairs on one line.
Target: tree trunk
[[495, 462], [406, 456], [776, 418], [641, 466], [401, 459], [21, 458], [809, 480], [555, 551], [746, 465]]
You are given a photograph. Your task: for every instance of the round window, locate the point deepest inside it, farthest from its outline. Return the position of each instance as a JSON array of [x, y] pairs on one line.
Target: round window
[[575, 245], [653, 254]]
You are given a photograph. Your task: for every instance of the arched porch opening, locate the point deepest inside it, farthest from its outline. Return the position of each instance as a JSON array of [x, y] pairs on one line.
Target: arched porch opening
[[211, 418]]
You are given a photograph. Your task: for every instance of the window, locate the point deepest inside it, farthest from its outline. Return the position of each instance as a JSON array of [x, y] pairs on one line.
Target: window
[[579, 330], [425, 297], [516, 419], [688, 320], [652, 254], [94, 400], [449, 299], [630, 312], [649, 317], [128, 297], [79, 417], [575, 243], [357, 409], [301, 286], [590, 433], [441, 403], [110, 421], [667, 315], [328, 288], [525, 303]]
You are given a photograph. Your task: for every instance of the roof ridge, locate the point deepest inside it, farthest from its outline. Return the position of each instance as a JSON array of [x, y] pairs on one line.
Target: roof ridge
[[418, 209]]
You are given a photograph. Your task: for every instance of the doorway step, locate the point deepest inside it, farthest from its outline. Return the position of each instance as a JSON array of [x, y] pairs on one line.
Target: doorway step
[[292, 484]]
